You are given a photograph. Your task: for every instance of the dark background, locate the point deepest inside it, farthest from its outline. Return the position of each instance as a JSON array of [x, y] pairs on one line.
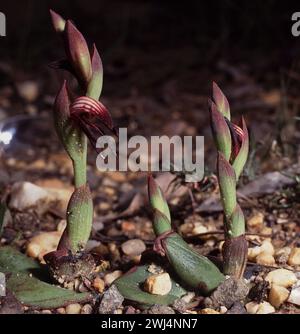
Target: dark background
[[156, 38], [160, 58]]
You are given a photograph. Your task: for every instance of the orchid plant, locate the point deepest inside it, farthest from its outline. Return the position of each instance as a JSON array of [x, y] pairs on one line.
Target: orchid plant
[[76, 120], [193, 269], [232, 142]]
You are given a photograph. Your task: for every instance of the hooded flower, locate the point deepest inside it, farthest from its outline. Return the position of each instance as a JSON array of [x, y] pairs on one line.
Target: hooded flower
[[92, 117], [232, 140]]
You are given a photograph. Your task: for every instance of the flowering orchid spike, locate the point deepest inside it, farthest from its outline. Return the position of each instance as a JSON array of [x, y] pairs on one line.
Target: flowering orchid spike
[[78, 53], [233, 146]]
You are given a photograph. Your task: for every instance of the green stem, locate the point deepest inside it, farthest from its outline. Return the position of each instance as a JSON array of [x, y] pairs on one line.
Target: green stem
[[79, 166]]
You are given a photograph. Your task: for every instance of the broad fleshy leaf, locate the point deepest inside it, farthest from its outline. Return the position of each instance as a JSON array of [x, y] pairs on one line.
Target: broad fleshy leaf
[[27, 280], [194, 270], [130, 286]]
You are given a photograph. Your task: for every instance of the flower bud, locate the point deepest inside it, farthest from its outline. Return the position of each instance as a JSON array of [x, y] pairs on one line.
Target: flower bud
[[78, 53], [221, 101], [94, 87], [57, 21]]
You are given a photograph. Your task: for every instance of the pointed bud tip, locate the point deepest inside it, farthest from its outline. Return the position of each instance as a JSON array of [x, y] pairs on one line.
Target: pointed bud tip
[[220, 100], [58, 21]]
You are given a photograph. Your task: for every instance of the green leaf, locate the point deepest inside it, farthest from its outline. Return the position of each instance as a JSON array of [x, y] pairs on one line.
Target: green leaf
[[130, 286], [227, 183], [157, 198], [22, 281], [193, 269], [161, 223]]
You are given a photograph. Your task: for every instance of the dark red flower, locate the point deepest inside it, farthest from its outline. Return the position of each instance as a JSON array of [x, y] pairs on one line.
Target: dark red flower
[[92, 117]]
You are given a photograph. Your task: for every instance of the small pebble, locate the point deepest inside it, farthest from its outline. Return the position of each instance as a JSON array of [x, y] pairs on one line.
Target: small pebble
[[294, 258], [159, 284], [199, 229], [267, 247], [159, 309], [61, 310], [133, 247], [278, 295], [253, 253], [265, 259], [109, 278], [111, 301], [259, 308], [42, 244], [282, 255], [209, 311], [294, 297], [73, 309], [28, 90], [256, 221], [86, 309], [223, 309], [99, 284], [281, 277]]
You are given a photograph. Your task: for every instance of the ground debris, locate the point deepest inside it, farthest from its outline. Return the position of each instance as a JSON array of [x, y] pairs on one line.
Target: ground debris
[[230, 291], [111, 301]]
